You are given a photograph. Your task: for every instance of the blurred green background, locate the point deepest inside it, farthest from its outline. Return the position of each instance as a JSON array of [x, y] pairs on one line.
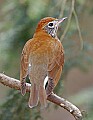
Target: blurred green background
[[18, 20]]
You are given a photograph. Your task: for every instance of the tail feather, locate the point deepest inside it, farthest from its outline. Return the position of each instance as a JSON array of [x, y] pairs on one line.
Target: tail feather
[[42, 97], [33, 100], [37, 93]]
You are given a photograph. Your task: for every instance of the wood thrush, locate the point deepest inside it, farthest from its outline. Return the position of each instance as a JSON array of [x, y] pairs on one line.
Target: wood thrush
[[42, 56]]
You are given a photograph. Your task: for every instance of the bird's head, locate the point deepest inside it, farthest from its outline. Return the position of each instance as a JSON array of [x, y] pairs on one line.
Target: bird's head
[[49, 25]]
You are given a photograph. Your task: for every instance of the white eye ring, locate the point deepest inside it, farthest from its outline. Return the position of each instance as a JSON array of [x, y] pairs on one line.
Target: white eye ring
[[51, 25]]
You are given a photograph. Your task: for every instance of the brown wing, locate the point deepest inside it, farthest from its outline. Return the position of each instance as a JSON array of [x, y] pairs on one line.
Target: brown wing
[[24, 68], [58, 59], [55, 69]]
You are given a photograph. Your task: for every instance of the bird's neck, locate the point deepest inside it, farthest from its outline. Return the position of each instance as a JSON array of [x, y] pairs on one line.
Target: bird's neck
[[43, 33]]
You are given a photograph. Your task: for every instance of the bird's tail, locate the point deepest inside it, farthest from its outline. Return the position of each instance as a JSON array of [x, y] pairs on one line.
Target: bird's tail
[[37, 93], [42, 97]]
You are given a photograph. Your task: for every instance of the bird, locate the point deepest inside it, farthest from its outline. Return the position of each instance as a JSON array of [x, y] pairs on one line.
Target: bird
[[42, 56]]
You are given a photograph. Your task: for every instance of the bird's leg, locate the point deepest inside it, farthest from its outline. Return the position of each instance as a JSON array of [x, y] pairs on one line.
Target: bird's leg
[[50, 86], [23, 86]]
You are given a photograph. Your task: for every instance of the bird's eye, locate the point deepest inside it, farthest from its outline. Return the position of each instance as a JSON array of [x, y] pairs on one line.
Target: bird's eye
[[51, 25]]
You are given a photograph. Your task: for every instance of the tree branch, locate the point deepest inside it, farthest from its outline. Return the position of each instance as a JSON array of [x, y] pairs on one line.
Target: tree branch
[[62, 8], [69, 20], [14, 83], [78, 28]]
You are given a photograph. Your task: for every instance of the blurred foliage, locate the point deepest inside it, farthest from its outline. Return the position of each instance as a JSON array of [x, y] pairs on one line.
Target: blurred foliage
[[17, 24], [85, 99]]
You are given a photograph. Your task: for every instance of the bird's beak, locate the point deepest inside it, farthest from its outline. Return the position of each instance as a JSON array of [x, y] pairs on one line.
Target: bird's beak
[[60, 20]]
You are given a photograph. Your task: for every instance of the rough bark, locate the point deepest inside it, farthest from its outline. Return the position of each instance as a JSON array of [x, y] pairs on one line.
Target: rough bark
[[14, 83]]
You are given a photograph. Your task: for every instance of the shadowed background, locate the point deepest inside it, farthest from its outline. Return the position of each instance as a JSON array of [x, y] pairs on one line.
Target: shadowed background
[[18, 20]]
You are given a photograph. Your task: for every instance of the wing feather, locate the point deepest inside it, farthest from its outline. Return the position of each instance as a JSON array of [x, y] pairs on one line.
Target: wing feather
[[24, 68], [24, 64], [55, 68]]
